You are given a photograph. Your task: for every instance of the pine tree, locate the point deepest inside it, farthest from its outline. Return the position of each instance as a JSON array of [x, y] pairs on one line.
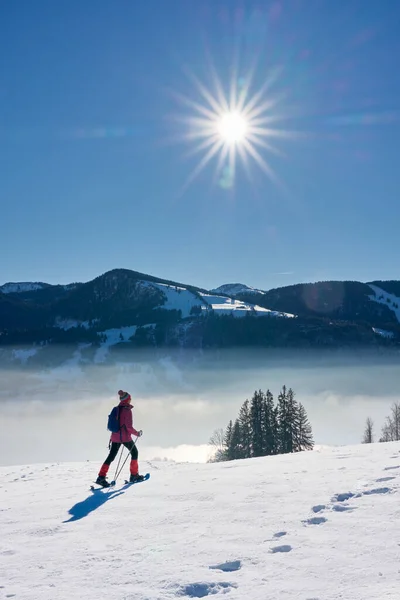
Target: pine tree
[[236, 449], [228, 440], [269, 425], [292, 421], [245, 428], [283, 424], [263, 429], [304, 437], [256, 424]]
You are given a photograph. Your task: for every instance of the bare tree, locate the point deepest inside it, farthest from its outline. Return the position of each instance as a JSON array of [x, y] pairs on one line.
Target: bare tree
[[387, 433], [368, 432], [396, 420], [391, 428], [217, 442]]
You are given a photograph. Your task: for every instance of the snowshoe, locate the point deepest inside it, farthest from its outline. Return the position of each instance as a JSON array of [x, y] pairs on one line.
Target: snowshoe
[[136, 478], [103, 482]]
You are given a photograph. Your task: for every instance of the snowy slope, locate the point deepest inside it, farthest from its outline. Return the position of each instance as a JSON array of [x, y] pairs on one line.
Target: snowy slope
[[322, 525], [182, 299], [14, 288], [177, 298], [113, 337], [383, 332], [223, 305], [389, 300]]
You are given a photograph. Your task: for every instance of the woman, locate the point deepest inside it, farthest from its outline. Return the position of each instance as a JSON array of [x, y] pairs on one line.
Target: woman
[[123, 436]]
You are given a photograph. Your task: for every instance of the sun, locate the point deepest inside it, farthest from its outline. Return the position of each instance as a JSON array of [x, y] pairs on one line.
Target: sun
[[232, 128]]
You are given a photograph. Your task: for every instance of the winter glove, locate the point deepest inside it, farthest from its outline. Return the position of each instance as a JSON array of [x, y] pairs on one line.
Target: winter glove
[[140, 433]]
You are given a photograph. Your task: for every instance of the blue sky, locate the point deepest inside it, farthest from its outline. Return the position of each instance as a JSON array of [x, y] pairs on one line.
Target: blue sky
[[93, 156]]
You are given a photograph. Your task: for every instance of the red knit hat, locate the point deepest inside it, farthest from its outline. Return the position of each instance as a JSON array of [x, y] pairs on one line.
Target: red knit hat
[[123, 396]]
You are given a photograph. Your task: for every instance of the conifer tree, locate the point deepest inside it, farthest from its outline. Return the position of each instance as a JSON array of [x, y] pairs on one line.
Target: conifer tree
[[263, 429], [245, 428], [236, 449], [228, 440], [269, 424], [292, 421], [284, 431], [256, 424], [303, 437]]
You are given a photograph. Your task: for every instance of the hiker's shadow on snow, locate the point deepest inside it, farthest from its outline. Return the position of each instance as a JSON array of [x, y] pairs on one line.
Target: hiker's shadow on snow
[[96, 499]]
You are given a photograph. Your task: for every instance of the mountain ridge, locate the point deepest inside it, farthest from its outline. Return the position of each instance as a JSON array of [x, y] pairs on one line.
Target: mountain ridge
[[163, 312]]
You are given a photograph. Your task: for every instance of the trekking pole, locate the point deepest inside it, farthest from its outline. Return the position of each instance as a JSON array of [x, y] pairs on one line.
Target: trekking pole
[[120, 456], [126, 458]]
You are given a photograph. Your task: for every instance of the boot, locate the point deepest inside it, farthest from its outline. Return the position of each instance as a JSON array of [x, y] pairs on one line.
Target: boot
[[101, 480], [134, 469]]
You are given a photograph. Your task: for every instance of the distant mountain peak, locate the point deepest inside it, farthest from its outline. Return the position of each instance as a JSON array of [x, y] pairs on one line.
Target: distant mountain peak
[[233, 289]]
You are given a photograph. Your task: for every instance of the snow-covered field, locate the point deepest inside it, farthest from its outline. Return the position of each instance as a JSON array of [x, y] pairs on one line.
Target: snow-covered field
[[224, 305], [320, 525]]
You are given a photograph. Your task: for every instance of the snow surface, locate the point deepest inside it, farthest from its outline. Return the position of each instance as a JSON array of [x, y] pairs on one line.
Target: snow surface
[[14, 288], [387, 299], [322, 525], [71, 323], [177, 298], [114, 336], [383, 332], [223, 305]]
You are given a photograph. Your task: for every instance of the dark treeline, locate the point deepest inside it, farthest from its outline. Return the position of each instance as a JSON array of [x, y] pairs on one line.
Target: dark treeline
[[264, 428]]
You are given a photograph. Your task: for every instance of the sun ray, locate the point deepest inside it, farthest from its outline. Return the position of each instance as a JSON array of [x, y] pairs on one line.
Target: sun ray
[[260, 161], [232, 162], [244, 156], [245, 89], [265, 167], [206, 94], [253, 112], [264, 144], [267, 120], [203, 146], [221, 98], [221, 159], [193, 104], [254, 101], [276, 133], [233, 91], [203, 163], [205, 131], [200, 122]]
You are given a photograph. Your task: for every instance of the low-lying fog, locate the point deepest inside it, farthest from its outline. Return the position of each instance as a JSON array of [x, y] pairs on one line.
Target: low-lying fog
[[60, 413]]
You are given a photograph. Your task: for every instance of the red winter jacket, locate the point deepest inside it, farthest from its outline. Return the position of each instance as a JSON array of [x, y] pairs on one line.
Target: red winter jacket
[[125, 420]]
